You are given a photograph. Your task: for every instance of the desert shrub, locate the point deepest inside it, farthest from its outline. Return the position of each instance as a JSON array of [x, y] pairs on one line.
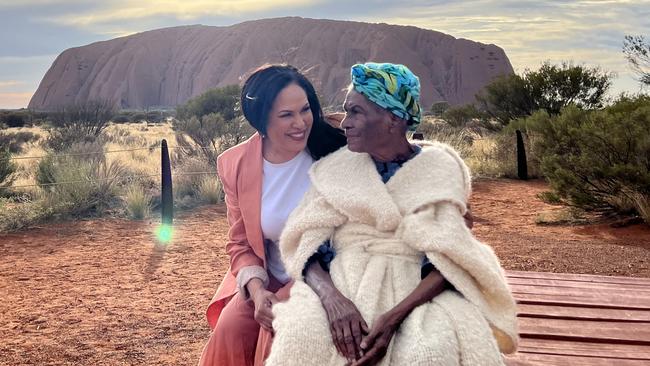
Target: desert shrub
[[461, 115], [549, 197], [13, 119], [78, 123], [210, 190], [75, 184], [14, 141], [138, 201], [7, 171], [218, 100], [438, 108], [138, 117], [642, 205], [121, 118], [458, 138], [210, 135], [597, 160], [16, 215], [154, 117]]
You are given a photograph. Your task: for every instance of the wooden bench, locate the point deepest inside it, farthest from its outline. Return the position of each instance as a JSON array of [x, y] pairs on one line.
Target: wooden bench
[[571, 319]]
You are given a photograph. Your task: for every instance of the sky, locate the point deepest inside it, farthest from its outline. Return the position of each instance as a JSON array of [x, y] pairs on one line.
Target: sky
[[590, 32]]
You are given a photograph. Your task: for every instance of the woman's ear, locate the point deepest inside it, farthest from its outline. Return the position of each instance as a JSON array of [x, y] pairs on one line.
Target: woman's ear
[[397, 125]]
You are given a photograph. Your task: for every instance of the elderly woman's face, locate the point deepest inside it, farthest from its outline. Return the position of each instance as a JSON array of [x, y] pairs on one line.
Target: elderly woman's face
[[366, 125]]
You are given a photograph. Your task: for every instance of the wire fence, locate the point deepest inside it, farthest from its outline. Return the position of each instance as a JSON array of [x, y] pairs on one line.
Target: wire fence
[[122, 177], [150, 148]]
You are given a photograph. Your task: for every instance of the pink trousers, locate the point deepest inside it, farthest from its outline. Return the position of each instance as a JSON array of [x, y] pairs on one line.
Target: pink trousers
[[237, 339]]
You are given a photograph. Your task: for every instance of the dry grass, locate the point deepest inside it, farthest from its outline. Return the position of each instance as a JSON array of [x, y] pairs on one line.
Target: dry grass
[[138, 184]]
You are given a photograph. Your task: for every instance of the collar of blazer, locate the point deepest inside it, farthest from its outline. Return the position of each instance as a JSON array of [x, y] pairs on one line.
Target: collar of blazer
[[249, 192]]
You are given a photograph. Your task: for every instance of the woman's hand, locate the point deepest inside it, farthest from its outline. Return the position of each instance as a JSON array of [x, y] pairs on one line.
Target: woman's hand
[[264, 301], [375, 344], [346, 324]]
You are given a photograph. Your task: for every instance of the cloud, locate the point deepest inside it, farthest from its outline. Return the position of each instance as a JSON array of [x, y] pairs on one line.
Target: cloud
[[184, 10], [14, 100], [33, 32], [9, 83]]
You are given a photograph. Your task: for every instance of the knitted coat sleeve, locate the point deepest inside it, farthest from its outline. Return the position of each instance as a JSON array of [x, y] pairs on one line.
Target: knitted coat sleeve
[[472, 267], [308, 226]]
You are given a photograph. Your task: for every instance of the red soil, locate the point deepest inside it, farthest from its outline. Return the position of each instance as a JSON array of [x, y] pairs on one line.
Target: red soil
[[102, 292]]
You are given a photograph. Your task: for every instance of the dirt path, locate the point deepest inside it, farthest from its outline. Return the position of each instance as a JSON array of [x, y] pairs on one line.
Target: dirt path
[[102, 293]]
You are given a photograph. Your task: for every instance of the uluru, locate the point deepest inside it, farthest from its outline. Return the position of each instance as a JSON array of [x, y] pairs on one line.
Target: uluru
[[166, 67]]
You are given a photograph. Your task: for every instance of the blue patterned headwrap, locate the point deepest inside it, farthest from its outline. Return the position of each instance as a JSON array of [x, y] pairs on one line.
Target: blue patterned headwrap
[[391, 86]]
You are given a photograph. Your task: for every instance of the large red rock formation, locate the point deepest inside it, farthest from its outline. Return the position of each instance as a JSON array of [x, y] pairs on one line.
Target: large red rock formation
[[168, 66]]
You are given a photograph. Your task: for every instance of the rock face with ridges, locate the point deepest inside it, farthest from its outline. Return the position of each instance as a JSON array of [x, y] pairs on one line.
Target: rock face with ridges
[[166, 67]]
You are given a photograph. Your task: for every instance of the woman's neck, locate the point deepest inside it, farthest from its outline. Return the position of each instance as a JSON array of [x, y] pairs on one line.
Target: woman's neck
[[276, 155], [399, 151]]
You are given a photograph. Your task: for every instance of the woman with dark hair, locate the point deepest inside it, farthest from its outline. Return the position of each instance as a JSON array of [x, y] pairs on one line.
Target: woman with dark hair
[[263, 178]]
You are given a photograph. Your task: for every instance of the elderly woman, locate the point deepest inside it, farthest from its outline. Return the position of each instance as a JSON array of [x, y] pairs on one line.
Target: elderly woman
[[383, 203]]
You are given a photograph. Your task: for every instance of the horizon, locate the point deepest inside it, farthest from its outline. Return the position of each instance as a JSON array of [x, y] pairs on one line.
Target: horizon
[[586, 33]]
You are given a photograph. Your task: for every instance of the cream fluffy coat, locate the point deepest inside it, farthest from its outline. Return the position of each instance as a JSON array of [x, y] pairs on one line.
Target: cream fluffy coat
[[380, 232]]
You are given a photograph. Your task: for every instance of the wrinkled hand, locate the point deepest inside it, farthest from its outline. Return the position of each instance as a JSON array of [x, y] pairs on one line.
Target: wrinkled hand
[[264, 301], [375, 344], [346, 324]]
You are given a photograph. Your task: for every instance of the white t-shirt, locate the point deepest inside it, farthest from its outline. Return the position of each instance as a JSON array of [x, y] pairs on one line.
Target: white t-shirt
[[283, 186]]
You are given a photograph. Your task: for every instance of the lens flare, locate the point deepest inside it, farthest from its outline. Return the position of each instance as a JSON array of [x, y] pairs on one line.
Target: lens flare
[[164, 233]]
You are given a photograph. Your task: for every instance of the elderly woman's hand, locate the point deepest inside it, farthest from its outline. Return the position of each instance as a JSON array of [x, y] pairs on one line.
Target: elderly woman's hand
[[375, 344], [346, 324]]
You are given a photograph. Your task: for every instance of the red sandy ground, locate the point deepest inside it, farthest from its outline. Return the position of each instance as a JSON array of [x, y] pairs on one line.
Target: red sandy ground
[[101, 292]]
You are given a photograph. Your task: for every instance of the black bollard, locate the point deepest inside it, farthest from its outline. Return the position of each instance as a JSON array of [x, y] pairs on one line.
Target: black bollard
[[522, 165], [167, 197]]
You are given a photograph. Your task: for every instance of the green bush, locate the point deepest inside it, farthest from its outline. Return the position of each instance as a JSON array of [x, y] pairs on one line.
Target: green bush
[[597, 160], [210, 135], [77, 185], [219, 100], [13, 119], [461, 115]]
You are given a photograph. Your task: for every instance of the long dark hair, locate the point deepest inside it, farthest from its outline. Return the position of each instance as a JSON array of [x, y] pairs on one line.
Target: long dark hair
[[259, 93]]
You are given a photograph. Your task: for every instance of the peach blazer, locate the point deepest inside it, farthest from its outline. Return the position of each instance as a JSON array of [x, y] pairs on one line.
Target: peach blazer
[[240, 171]]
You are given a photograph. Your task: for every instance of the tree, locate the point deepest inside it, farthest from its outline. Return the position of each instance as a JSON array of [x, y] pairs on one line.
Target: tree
[[218, 100], [637, 53], [599, 159], [213, 123], [550, 88]]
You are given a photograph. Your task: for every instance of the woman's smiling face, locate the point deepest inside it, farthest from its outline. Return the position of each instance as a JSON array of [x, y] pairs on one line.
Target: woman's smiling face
[[289, 124]]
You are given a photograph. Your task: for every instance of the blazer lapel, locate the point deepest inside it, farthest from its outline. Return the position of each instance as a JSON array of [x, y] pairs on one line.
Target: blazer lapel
[[249, 183]]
